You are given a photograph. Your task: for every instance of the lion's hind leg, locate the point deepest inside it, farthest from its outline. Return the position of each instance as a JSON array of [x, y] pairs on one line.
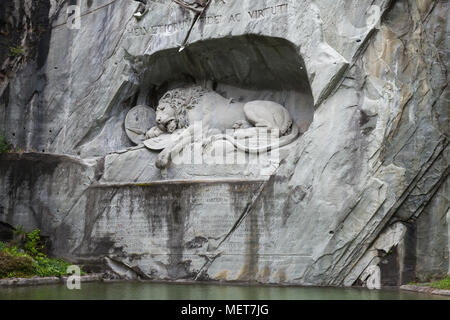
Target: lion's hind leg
[[241, 124], [268, 114], [258, 113]]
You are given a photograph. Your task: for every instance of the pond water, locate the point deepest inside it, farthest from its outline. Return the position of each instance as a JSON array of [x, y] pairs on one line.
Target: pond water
[[163, 291]]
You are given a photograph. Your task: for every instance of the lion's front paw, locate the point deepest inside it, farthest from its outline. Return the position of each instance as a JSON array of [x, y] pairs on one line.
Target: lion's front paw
[[162, 161], [153, 132]]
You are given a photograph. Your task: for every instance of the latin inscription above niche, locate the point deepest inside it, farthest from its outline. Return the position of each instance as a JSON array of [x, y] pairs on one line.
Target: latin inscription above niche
[[214, 17]]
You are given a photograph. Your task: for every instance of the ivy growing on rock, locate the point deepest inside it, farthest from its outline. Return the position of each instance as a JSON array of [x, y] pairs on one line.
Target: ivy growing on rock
[[25, 257]]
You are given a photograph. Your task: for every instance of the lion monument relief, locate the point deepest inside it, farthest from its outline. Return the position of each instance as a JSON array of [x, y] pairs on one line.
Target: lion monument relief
[[180, 108]]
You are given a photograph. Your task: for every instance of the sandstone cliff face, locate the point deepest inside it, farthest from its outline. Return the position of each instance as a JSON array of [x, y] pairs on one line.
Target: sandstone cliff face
[[362, 197]]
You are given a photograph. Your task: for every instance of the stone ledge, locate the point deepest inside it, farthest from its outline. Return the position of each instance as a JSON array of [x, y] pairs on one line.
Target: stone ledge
[[425, 289], [47, 157], [176, 182], [16, 282]]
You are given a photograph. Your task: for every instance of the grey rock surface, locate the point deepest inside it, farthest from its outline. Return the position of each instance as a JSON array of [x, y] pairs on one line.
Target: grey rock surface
[[448, 237], [369, 95], [432, 236]]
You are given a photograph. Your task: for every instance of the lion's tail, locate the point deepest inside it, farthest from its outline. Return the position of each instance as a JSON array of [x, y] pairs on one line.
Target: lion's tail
[[283, 141]]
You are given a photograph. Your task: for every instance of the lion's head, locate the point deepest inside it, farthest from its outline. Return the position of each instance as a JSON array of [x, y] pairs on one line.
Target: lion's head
[[171, 112]]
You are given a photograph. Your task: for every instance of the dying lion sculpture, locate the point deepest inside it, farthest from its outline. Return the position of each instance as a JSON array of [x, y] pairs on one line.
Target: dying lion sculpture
[[181, 108]]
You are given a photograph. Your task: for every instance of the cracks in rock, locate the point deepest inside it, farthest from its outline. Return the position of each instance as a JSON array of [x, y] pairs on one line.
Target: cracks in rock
[[202, 273], [430, 194], [363, 46], [91, 218], [411, 136], [435, 116], [428, 15], [328, 162], [372, 236], [396, 121], [431, 160], [250, 206], [353, 253], [135, 270], [100, 122], [99, 170], [334, 84], [93, 88], [98, 173]]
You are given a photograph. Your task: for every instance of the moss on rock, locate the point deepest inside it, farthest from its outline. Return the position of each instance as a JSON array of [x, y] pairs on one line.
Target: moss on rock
[[15, 266]]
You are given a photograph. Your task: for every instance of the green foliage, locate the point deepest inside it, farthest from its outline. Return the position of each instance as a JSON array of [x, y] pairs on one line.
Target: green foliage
[[15, 51], [442, 284], [19, 231], [25, 257], [47, 267], [33, 244], [4, 145]]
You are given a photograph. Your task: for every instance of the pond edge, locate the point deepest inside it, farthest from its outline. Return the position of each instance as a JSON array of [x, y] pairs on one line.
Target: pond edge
[[425, 289]]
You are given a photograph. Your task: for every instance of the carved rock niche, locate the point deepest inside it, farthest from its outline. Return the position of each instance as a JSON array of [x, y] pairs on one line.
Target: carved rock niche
[[238, 69]]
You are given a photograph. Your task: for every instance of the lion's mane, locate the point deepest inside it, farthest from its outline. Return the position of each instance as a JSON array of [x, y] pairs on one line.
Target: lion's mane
[[182, 100]]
